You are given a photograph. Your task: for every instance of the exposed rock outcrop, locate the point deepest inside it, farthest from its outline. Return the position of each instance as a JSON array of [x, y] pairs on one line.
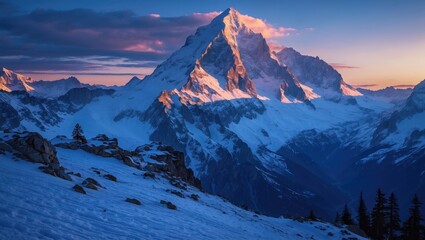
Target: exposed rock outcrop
[[79, 189], [34, 148], [133, 201], [103, 146], [172, 162]]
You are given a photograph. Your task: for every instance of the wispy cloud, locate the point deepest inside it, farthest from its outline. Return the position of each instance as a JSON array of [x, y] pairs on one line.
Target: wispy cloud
[[266, 29], [404, 86], [365, 85], [49, 36], [342, 66], [85, 40]]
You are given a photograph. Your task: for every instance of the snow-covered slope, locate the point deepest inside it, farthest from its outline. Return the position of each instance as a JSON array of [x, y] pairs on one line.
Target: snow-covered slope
[[404, 121], [315, 73], [39, 206], [385, 150], [11, 81]]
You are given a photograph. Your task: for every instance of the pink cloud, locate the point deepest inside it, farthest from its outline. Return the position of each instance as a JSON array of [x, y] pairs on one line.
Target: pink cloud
[[154, 15], [266, 29], [206, 16], [342, 66]]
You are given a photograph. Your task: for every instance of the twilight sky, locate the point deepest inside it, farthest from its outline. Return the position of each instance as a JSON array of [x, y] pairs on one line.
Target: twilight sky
[[374, 43]]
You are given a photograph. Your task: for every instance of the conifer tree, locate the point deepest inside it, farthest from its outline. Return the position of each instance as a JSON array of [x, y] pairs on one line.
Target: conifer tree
[[337, 218], [312, 216], [412, 227], [346, 216], [363, 216], [393, 217], [78, 134], [379, 217]]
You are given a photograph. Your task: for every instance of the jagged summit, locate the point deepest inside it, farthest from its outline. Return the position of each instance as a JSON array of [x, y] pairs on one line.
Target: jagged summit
[[133, 82], [420, 87], [225, 60], [316, 74], [417, 98], [11, 81]]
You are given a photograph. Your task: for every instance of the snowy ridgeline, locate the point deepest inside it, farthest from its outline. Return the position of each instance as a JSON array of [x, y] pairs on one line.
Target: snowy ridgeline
[[35, 205]]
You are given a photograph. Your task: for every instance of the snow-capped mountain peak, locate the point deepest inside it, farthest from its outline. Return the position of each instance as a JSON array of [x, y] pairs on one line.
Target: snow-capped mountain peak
[[11, 81], [225, 60], [417, 98], [316, 74]]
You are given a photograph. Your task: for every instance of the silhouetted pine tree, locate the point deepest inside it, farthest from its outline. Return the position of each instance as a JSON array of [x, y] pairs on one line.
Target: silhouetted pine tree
[[393, 217], [346, 216], [337, 218], [378, 218], [78, 134], [363, 216], [312, 216], [412, 227]]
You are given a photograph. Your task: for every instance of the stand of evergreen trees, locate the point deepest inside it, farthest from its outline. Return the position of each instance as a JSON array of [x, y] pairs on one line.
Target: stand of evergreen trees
[[383, 222]]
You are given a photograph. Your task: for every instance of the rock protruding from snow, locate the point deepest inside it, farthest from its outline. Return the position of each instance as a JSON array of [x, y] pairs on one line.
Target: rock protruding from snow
[[103, 146], [34, 148], [171, 162], [316, 74]]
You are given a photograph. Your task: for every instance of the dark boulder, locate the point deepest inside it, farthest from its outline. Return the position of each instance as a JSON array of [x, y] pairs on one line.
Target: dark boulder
[[79, 189], [110, 177], [173, 163], [56, 170], [133, 201], [177, 193], [91, 183], [34, 148], [169, 205], [194, 197]]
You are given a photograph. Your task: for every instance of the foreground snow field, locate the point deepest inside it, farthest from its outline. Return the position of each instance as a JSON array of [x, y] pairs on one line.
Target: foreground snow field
[[35, 205]]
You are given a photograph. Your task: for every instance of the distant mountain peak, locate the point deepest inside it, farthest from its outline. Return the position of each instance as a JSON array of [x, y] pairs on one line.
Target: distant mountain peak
[[420, 87], [134, 81], [316, 74], [11, 81]]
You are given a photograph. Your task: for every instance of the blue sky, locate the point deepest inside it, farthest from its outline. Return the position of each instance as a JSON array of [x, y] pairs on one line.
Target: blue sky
[[370, 42]]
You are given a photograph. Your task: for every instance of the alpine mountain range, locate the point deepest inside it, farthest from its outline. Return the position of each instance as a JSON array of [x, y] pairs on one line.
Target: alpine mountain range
[[279, 132]]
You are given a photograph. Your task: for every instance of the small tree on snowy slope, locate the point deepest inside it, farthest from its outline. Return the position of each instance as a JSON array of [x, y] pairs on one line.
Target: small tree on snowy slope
[[312, 216], [393, 217], [78, 134], [346, 216], [363, 216]]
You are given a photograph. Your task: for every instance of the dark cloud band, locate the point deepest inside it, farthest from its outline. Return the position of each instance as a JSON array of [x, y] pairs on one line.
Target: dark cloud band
[[45, 37]]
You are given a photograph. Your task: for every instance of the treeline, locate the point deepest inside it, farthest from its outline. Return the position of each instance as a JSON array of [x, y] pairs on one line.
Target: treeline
[[383, 222]]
